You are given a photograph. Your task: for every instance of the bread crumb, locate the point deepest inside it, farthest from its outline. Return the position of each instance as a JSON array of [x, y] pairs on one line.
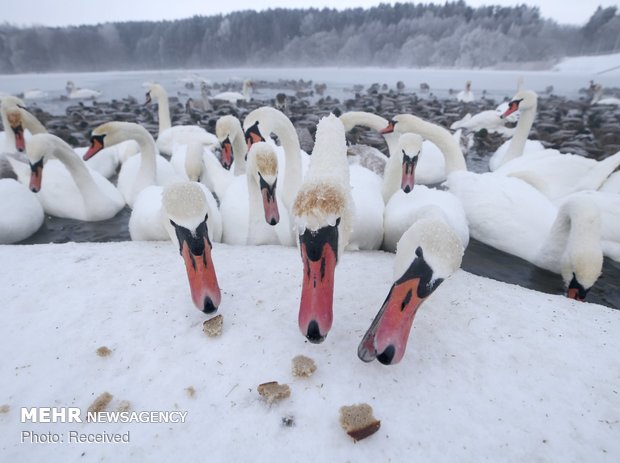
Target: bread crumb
[[190, 391], [103, 351], [273, 391], [358, 422], [303, 366], [5, 408], [100, 403], [124, 406], [213, 326]]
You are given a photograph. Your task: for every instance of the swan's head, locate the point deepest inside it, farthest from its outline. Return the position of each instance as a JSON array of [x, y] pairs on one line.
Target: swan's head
[[262, 170], [397, 124], [582, 261], [70, 87], [427, 253], [226, 129], [524, 100], [187, 210], [322, 211], [112, 133], [42, 147], [155, 92], [194, 164], [409, 145], [14, 117], [253, 135]]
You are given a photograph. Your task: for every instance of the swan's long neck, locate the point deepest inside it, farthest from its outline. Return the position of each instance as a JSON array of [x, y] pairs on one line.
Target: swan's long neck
[[392, 175], [78, 170], [216, 177], [573, 245], [441, 137], [372, 121], [240, 149], [147, 174], [32, 123], [517, 144], [163, 112]]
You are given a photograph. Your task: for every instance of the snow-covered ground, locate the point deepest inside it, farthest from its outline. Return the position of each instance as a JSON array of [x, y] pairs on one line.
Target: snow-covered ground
[[599, 64], [493, 372]]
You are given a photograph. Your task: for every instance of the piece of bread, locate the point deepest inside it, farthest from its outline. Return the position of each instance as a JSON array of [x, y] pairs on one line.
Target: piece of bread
[[273, 391], [303, 366], [100, 403], [358, 422], [213, 326]]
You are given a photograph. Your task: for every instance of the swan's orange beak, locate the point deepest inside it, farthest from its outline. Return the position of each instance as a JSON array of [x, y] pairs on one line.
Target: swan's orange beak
[[202, 278], [408, 176], [319, 253], [227, 154], [253, 135], [36, 176], [20, 142], [96, 145], [512, 107], [576, 290], [196, 252], [386, 339], [270, 205], [389, 128]]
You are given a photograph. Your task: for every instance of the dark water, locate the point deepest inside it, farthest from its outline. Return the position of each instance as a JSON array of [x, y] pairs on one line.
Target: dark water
[[479, 259]]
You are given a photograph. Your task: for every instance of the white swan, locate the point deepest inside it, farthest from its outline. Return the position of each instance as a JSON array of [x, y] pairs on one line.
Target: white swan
[[323, 218], [21, 213], [235, 97], [232, 140], [427, 254], [491, 120], [555, 174], [510, 215], [250, 210], [18, 124], [258, 126], [76, 93], [407, 205], [431, 168], [139, 171], [189, 218], [168, 135], [466, 96], [67, 187]]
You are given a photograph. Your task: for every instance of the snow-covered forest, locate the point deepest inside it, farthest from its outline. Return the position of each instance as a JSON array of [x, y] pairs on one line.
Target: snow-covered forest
[[404, 34]]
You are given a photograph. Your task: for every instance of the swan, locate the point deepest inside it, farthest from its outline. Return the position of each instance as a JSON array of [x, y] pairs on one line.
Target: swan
[[428, 253], [409, 203], [322, 213], [510, 215], [21, 213], [431, 168], [35, 94], [258, 126], [76, 93], [491, 120], [189, 216], [250, 210], [139, 171], [16, 118], [169, 136], [69, 189], [466, 96], [558, 174], [235, 97], [230, 134]]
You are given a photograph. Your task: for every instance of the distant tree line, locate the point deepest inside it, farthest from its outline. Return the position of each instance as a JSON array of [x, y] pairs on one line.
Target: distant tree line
[[404, 34]]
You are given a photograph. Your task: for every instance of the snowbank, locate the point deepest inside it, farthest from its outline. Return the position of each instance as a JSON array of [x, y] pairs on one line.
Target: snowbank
[[600, 64]]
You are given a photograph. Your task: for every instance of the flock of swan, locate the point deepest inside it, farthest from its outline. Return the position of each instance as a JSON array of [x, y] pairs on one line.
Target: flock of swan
[[558, 211]]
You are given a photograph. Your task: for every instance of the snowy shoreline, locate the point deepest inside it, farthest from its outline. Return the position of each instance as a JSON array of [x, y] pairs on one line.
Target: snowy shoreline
[[492, 371]]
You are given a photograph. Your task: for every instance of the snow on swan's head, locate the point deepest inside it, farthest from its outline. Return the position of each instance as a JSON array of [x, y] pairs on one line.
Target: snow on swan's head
[[187, 210], [322, 216], [427, 253], [262, 170]]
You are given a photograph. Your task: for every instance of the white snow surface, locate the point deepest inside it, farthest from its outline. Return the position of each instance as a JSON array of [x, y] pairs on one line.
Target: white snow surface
[[597, 64], [492, 372]]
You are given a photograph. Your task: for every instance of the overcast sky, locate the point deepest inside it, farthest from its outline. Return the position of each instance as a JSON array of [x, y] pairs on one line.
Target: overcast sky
[[75, 12]]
